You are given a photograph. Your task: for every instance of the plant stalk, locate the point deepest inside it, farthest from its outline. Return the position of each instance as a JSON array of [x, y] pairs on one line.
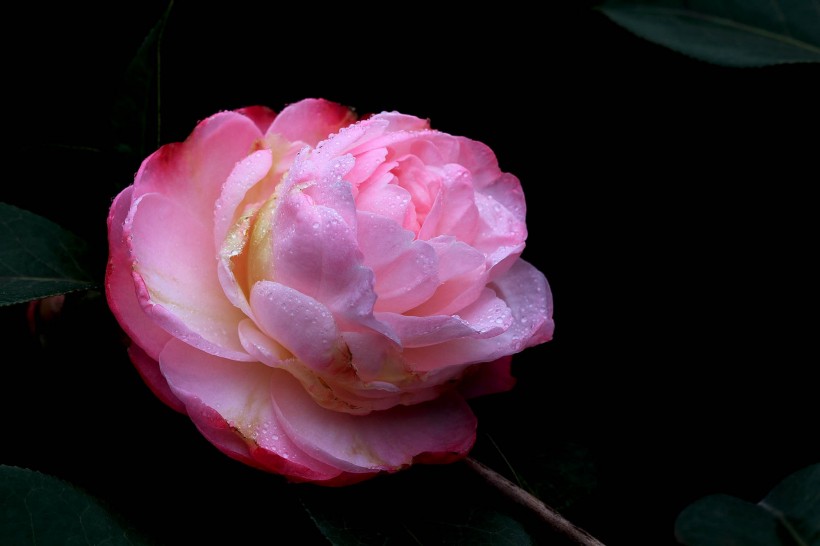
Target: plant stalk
[[552, 518]]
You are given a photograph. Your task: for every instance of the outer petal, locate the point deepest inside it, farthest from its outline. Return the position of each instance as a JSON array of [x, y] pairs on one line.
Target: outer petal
[[177, 281], [311, 120], [382, 440], [119, 284], [192, 173], [231, 405], [170, 232]]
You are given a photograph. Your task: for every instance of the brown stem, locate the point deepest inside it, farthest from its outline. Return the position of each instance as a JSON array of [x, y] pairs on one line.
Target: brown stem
[[547, 514]]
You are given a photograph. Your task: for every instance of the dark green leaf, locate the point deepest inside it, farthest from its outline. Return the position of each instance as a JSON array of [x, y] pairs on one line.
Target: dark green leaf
[[401, 509], [38, 258], [795, 502], [731, 33], [788, 516], [136, 113], [42, 510]]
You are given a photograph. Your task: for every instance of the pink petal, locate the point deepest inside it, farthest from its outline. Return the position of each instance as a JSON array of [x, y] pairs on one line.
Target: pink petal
[[315, 251], [424, 331], [262, 116], [230, 402], [462, 272], [434, 148], [480, 160], [311, 120], [375, 358], [501, 233], [488, 316], [506, 190], [261, 346], [298, 322], [454, 211], [405, 269], [366, 164], [120, 290], [402, 122], [191, 173], [381, 440], [232, 222], [390, 201], [526, 292], [176, 276], [246, 174]]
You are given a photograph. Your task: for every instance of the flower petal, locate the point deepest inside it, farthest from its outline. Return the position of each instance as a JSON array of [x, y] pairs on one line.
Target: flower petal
[[176, 276], [191, 173], [381, 440], [230, 402], [315, 251], [311, 120], [488, 316], [462, 272], [262, 116], [405, 269], [298, 322], [120, 290], [454, 211], [246, 174], [526, 292]]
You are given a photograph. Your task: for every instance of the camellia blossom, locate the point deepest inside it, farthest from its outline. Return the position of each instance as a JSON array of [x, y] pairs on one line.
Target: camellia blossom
[[321, 295]]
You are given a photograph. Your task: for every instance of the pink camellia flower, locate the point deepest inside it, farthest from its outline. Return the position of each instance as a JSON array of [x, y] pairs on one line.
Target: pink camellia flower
[[321, 295]]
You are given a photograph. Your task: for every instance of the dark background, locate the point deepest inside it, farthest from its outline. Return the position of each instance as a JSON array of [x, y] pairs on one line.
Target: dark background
[[670, 206]]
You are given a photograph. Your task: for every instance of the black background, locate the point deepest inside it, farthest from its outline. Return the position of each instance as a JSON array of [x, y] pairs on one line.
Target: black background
[[670, 205]]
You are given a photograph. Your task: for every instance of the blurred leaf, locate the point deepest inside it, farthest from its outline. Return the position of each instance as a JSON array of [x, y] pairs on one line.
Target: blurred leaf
[[38, 258], [788, 516], [42, 510], [795, 502], [136, 113], [732, 33], [394, 511]]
